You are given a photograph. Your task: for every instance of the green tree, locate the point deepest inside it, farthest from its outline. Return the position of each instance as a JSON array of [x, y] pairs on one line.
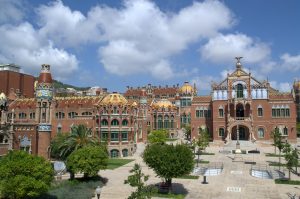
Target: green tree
[[158, 136], [138, 179], [79, 137], [24, 176], [202, 142], [55, 145], [188, 131], [169, 161], [291, 157], [88, 160], [277, 142]]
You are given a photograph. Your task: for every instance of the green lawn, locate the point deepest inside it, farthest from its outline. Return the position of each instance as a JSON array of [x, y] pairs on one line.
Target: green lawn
[[274, 155], [288, 182], [188, 177], [114, 163], [202, 161], [169, 195], [205, 153]]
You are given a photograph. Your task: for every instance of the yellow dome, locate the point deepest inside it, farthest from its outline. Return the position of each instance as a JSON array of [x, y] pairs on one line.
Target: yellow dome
[[114, 99], [134, 104], [297, 84], [186, 88], [2, 96], [162, 103]]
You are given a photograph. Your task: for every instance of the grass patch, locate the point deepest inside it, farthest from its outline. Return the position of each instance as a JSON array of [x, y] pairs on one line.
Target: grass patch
[[274, 155], [286, 181], [188, 177], [114, 163], [169, 195], [205, 153], [66, 189], [171, 139], [202, 161]]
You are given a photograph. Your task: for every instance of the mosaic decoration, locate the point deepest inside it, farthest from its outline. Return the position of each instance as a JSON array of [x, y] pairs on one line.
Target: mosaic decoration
[[44, 94], [44, 127], [25, 142]]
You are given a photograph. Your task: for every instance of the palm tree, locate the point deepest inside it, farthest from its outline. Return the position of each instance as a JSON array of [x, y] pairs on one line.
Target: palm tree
[[79, 137]]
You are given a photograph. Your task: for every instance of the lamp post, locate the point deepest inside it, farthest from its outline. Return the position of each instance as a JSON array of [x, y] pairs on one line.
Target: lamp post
[[98, 192]]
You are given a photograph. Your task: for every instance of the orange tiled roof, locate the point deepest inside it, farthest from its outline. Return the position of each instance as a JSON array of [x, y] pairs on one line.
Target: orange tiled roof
[[202, 99]]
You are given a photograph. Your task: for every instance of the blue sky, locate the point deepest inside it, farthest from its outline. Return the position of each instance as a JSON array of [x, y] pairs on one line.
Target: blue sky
[[114, 43]]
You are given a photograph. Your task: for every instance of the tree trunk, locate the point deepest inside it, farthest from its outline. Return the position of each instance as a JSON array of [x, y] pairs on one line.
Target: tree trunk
[[72, 175], [275, 149], [169, 183], [198, 159], [279, 159], [85, 175], [289, 174]]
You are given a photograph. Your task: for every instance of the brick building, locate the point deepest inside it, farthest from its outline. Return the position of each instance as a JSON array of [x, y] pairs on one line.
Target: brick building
[[11, 80], [241, 107]]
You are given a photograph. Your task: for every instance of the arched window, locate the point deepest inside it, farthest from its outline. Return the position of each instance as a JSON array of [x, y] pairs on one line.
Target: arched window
[[124, 123], [260, 133], [239, 91], [104, 122], [285, 131], [115, 110], [115, 122], [166, 122], [125, 152], [22, 115], [159, 122], [59, 115], [72, 114], [221, 132], [32, 115], [86, 113], [114, 153], [172, 121]]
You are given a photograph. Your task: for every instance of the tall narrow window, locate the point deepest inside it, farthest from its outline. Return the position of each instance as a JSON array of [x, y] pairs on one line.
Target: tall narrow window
[[285, 131], [221, 112], [221, 132], [259, 112], [239, 91]]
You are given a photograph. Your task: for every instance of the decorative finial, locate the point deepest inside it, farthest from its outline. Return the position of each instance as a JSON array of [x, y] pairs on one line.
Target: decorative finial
[[238, 62]]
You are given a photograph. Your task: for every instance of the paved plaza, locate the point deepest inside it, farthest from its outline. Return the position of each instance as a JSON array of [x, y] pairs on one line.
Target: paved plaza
[[234, 182]]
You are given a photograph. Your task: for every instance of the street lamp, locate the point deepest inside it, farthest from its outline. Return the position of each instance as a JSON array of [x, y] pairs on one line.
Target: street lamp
[[98, 192]]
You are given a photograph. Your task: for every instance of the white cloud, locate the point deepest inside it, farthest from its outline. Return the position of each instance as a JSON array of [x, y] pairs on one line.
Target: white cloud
[[138, 37], [203, 83], [223, 48], [23, 45], [152, 36], [11, 11], [289, 62]]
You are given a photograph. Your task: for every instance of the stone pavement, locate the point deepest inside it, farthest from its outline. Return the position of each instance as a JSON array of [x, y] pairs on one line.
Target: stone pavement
[[234, 182]]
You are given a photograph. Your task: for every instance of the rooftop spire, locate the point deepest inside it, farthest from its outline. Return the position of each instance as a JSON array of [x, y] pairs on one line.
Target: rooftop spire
[[238, 62]]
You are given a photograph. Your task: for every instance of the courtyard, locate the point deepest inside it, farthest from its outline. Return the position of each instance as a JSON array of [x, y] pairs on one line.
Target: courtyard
[[234, 181]]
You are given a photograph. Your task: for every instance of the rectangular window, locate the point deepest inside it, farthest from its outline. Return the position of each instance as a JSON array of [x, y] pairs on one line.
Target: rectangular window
[[114, 136], [197, 113], [285, 131], [201, 113], [208, 113], [221, 112], [221, 132], [259, 112], [104, 135], [287, 112], [125, 136], [282, 113], [273, 112], [277, 112]]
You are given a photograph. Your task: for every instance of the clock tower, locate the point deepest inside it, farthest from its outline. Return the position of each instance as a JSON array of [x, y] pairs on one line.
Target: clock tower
[[44, 97]]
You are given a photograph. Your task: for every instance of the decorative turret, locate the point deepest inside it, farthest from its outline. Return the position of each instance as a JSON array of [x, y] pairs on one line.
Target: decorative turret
[[44, 95]]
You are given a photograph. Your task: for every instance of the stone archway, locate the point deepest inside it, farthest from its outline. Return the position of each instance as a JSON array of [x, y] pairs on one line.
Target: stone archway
[[246, 132]]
